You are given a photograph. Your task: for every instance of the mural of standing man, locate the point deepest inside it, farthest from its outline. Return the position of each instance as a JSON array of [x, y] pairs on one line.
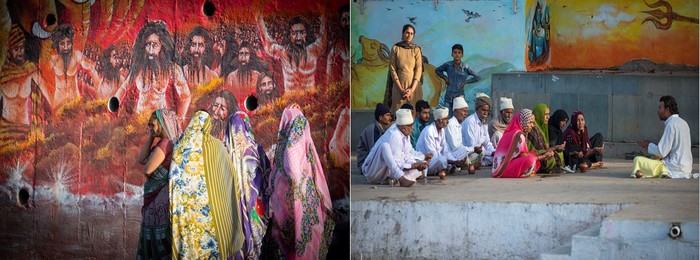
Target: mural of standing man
[[66, 64], [153, 72], [299, 53], [16, 81], [110, 73]]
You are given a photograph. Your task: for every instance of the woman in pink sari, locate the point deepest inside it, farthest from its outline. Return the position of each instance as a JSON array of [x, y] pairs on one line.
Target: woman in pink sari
[[302, 221], [512, 158]]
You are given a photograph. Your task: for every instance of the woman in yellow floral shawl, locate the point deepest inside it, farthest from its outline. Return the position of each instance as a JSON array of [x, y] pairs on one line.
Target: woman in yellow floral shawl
[[204, 201]]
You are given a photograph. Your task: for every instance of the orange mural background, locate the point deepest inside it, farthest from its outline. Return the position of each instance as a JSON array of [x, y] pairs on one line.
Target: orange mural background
[[605, 34]]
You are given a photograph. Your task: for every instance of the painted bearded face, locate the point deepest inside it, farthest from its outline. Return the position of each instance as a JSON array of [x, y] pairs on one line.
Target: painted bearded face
[[244, 55], [267, 85], [114, 59], [298, 34], [197, 48], [153, 46], [17, 54], [65, 45], [219, 108]]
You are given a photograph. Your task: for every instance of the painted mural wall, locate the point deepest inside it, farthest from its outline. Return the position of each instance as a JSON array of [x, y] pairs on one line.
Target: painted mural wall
[[605, 34], [80, 79], [491, 32]]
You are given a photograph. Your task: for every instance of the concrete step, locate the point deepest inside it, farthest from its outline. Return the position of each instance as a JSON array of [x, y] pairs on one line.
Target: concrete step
[[585, 244], [562, 252]]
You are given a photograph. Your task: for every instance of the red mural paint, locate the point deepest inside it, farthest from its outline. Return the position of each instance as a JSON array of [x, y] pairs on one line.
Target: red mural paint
[[56, 127]]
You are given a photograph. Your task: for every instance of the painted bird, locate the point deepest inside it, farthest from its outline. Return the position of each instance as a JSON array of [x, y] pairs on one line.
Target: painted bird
[[412, 19]]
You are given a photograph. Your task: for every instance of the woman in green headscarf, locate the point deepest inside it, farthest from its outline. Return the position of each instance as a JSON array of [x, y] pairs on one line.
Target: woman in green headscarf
[[538, 140]]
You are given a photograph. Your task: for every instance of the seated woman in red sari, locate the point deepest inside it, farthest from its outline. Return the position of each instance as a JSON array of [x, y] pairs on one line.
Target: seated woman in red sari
[[583, 152], [512, 159]]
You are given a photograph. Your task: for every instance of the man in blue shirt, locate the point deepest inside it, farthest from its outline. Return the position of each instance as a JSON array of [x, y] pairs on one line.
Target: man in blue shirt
[[458, 75], [422, 120]]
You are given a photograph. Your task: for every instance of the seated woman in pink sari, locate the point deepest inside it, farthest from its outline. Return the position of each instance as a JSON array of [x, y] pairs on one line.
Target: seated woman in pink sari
[[512, 158], [302, 221], [155, 237]]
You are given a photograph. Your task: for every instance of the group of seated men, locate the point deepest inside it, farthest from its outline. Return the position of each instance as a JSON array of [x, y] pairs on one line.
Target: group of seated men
[[413, 148]]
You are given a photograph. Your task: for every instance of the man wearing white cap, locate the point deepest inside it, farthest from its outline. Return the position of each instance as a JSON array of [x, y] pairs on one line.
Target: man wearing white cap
[[393, 156], [453, 131], [432, 140], [475, 132], [498, 125]]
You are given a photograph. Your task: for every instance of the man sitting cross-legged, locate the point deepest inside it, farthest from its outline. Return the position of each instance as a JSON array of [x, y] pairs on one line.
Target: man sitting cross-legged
[[393, 157], [432, 140]]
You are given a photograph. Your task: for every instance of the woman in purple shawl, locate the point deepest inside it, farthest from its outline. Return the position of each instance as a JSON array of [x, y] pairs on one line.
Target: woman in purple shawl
[[249, 158]]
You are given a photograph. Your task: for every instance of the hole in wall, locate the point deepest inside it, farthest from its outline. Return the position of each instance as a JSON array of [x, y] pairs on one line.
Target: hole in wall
[[251, 103], [113, 104], [50, 19], [208, 9], [23, 197]]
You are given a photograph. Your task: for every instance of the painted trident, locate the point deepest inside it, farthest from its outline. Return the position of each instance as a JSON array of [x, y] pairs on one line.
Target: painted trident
[[658, 15]]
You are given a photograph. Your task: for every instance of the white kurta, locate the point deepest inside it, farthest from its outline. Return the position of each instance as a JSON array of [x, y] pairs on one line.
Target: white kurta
[[389, 156], [674, 147], [476, 133], [432, 141]]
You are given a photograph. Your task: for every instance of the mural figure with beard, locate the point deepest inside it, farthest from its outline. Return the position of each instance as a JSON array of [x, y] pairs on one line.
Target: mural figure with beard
[[66, 64], [337, 65], [110, 73], [224, 53], [223, 105], [266, 90], [198, 56], [16, 81], [242, 80], [298, 54], [154, 73]]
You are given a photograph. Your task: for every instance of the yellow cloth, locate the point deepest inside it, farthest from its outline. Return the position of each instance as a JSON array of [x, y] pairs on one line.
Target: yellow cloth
[[650, 168], [203, 200]]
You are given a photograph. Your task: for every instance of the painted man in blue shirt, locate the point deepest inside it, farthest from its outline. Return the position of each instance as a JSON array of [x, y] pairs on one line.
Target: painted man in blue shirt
[[458, 75]]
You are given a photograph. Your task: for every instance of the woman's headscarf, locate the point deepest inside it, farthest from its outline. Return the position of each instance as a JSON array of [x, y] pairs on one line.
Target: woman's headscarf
[[253, 168], [168, 121], [557, 117], [539, 111], [512, 143], [300, 201], [574, 138], [204, 199]]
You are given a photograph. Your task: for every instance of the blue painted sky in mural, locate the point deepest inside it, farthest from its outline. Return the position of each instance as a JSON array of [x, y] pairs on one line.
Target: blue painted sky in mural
[[497, 34], [493, 35]]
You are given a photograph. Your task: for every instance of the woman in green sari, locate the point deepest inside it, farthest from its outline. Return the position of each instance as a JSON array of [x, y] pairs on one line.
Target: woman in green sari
[[538, 141]]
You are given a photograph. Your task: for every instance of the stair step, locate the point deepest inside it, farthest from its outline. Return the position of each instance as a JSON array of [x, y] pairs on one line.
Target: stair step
[[585, 244], [562, 252]]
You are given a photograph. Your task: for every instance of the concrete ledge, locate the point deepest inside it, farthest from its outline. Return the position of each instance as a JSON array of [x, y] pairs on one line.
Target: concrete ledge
[[479, 217]]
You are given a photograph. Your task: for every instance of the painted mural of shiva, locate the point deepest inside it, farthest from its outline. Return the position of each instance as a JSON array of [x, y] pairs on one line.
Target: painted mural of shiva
[[154, 73], [538, 42]]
